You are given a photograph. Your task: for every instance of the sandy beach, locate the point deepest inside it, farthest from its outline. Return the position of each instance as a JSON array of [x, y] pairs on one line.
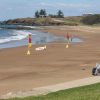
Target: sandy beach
[[56, 64]]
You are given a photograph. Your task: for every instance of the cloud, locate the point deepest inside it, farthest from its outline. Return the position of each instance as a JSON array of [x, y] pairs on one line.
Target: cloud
[[10, 9], [65, 5], [46, 4], [73, 5], [24, 8]]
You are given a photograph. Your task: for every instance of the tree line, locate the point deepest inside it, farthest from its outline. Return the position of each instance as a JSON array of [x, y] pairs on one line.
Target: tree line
[[42, 13]]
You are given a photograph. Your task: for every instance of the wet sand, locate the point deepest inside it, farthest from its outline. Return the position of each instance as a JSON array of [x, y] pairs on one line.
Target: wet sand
[[19, 72]]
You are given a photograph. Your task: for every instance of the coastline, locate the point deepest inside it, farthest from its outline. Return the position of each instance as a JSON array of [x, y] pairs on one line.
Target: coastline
[[55, 65]]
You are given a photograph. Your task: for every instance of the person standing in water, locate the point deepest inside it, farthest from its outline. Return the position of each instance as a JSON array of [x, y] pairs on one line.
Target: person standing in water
[[29, 44], [67, 36], [68, 40]]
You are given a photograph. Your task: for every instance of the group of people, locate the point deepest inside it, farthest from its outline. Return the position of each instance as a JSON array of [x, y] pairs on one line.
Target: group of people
[[69, 38]]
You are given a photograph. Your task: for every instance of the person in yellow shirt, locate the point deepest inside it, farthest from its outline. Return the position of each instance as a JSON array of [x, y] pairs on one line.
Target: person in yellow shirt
[[29, 44]]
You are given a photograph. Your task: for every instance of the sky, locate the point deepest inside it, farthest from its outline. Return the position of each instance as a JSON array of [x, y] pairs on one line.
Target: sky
[[11, 9]]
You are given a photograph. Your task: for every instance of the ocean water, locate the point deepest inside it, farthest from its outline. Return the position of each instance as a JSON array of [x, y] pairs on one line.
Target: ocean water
[[13, 38]]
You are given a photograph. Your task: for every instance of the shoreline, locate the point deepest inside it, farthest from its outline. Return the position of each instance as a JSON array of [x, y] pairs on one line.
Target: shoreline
[[52, 66], [9, 42]]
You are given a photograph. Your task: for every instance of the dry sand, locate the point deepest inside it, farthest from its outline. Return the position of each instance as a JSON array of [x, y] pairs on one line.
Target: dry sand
[[52, 88], [19, 72]]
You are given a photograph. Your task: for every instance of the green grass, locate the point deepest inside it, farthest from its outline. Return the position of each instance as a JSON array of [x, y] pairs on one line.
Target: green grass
[[91, 92]]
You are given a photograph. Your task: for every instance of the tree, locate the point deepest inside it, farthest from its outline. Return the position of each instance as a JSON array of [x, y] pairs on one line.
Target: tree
[[42, 13], [53, 16], [60, 14], [37, 14]]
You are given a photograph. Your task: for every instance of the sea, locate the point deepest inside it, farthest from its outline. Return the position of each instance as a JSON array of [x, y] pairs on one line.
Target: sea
[[11, 37]]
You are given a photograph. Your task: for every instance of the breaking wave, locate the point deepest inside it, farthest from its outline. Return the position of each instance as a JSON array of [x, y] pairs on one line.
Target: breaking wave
[[14, 36]]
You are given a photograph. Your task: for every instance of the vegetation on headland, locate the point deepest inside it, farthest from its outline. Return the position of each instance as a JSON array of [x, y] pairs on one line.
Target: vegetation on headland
[[91, 19], [42, 13], [90, 92], [41, 18]]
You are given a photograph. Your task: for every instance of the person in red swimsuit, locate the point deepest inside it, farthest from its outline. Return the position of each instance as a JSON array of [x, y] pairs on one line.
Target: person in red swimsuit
[[29, 41], [29, 44], [67, 36], [68, 40]]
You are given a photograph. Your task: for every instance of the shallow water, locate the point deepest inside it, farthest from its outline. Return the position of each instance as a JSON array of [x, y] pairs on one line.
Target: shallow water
[[13, 38]]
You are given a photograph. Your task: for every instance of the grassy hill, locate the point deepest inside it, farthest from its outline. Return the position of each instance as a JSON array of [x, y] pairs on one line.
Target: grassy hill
[[74, 20], [45, 21], [91, 92], [71, 21]]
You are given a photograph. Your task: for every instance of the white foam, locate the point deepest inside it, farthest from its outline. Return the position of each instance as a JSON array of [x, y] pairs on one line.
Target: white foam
[[18, 35], [32, 27]]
